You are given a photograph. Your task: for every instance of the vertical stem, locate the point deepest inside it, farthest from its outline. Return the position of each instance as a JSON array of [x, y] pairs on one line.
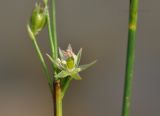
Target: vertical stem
[[50, 34], [51, 39], [130, 57], [57, 99], [54, 32]]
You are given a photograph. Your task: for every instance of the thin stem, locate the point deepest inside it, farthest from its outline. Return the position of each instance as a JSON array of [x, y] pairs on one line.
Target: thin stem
[[130, 57], [51, 37], [57, 87], [43, 63], [54, 32], [66, 86], [57, 98], [38, 51]]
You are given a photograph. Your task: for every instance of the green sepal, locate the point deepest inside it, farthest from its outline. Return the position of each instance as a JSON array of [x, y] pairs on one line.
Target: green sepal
[[55, 62], [79, 57], [76, 76], [61, 54], [69, 47], [76, 70], [84, 67], [62, 74]]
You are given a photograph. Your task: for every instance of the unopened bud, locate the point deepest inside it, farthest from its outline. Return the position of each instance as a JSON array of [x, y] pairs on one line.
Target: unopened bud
[[38, 19]]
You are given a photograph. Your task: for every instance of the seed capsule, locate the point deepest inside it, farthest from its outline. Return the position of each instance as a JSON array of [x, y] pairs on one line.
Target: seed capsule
[[70, 63], [38, 19]]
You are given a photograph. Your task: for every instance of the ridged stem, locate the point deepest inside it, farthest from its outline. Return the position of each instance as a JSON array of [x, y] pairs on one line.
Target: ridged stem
[[133, 14]]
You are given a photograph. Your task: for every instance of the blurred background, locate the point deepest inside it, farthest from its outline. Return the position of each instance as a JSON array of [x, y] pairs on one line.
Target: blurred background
[[100, 28]]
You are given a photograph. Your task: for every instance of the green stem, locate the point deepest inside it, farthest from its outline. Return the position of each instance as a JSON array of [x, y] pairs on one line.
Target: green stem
[[42, 62], [38, 51], [51, 39], [57, 87], [57, 98], [130, 57], [54, 32], [66, 86]]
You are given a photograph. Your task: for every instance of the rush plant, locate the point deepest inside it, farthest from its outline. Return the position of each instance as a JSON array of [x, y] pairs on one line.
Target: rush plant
[[65, 63]]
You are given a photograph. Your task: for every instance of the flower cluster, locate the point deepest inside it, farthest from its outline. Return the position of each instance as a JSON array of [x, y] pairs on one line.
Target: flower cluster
[[68, 63]]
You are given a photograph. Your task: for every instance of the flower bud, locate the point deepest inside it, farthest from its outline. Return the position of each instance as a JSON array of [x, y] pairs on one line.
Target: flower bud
[[38, 19], [68, 64]]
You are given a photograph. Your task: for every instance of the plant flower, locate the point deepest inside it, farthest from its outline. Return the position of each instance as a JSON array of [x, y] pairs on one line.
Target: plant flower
[[68, 63]]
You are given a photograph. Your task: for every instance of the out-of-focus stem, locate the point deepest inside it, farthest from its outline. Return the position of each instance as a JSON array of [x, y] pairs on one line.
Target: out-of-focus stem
[[133, 14]]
